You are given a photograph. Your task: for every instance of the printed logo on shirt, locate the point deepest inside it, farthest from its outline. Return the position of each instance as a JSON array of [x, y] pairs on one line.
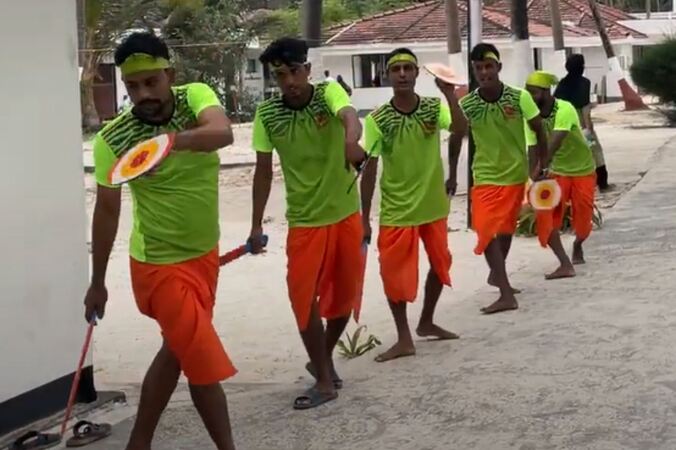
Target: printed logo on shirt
[[321, 119]]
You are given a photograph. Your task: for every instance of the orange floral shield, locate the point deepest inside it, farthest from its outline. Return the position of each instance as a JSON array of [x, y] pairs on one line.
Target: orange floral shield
[[544, 195], [142, 158]]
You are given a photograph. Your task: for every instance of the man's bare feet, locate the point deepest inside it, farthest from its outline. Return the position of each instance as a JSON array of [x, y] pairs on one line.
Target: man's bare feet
[[578, 254], [398, 350], [491, 282], [435, 332], [500, 305], [561, 272]]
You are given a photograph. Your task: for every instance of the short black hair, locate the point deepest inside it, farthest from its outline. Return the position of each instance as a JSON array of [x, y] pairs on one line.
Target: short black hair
[[400, 51], [286, 50], [144, 42], [479, 51], [575, 64]]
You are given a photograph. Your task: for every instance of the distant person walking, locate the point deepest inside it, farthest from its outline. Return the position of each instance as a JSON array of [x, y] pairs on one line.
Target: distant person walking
[[327, 76], [575, 88]]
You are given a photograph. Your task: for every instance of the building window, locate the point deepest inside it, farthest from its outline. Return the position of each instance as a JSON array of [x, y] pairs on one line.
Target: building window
[[251, 66], [369, 71]]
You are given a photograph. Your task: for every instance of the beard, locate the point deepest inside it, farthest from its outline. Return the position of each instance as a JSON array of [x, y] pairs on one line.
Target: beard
[[149, 110]]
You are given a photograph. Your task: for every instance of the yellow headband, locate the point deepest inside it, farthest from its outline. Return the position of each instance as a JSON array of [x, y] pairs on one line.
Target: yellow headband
[[542, 79], [142, 62], [491, 55], [402, 57]]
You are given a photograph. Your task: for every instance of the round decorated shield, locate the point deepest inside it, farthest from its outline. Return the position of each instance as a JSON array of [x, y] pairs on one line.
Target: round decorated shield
[[544, 195], [445, 73], [140, 159]]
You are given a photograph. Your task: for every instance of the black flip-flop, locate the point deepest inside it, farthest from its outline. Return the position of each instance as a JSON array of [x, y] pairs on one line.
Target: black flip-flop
[[34, 440], [313, 398], [337, 381], [85, 432]]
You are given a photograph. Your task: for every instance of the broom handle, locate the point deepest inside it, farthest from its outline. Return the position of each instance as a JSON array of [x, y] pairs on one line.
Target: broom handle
[[78, 373]]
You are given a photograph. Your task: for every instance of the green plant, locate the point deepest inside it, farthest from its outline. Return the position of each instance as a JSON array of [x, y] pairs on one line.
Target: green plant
[[247, 101], [526, 224], [354, 348], [655, 72]]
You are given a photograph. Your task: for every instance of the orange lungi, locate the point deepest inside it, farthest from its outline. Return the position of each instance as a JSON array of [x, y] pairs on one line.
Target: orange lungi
[[495, 211], [326, 263], [399, 248], [181, 297], [579, 192]]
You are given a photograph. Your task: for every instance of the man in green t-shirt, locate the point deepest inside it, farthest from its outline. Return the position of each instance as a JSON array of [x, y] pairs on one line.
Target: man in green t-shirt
[[570, 162], [316, 133], [174, 240], [498, 114], [405, 134]]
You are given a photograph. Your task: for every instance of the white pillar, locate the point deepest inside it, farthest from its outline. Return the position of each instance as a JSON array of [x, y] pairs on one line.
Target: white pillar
[[522, 61], [314, 57], [44, 254]]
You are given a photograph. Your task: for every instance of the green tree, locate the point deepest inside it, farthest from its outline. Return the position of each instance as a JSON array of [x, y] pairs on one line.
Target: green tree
[[655, 72], [209, 45], [286, 22]]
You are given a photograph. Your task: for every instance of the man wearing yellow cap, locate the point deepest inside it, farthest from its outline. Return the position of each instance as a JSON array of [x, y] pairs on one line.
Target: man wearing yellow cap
[[571, 163], [414, 207], [174, 239], [499, 116]]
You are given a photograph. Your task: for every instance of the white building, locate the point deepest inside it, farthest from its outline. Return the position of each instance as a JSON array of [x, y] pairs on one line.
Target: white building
[[357, 50], [43, 264]]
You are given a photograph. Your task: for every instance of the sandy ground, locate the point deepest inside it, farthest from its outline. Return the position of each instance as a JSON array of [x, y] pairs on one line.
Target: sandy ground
[[478, 386]]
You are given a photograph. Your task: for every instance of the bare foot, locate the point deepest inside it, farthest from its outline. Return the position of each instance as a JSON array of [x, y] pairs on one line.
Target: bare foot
[[436, 332], [578, 254], [561, 272], [500, 305], [491, 282], [398, 350]]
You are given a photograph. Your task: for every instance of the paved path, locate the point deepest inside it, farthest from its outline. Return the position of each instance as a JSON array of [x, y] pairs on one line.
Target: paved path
[[585, 364]]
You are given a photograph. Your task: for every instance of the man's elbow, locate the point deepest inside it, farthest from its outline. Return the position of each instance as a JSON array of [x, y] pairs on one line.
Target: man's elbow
[[226, 137]]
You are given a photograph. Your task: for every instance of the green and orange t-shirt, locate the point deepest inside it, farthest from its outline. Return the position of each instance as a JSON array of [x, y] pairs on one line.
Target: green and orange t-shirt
[[574, 157], [412, 185], [176, 207], [310, 142], [499, 131]]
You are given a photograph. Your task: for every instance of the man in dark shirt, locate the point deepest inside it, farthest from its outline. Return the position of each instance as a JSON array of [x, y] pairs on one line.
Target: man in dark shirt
[[575, 88]]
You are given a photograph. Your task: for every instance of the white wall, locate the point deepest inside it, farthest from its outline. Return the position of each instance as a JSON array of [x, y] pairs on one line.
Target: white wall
[[43, 262]]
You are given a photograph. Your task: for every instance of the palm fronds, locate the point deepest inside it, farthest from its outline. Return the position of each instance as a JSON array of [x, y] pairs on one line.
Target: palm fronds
[[353, 348]]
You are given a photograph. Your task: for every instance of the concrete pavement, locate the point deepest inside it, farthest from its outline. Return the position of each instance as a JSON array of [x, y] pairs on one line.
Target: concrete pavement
[[584, 364]]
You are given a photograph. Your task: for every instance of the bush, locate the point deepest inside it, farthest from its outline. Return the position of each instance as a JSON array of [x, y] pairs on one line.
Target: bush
[[354, 347], [247, 102], [655, 72]]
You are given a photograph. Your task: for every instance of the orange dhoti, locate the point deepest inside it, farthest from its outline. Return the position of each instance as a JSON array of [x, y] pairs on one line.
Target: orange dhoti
[[181, 298], [399, 248], [495, 211], [579, 192], [325, 262]]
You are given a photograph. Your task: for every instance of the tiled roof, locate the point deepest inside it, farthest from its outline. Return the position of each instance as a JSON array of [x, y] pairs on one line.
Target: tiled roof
[[578, 13], [427, 22]]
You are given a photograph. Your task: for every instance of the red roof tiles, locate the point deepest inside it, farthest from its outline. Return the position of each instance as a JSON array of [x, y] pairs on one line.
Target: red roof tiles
[[426, 22]]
